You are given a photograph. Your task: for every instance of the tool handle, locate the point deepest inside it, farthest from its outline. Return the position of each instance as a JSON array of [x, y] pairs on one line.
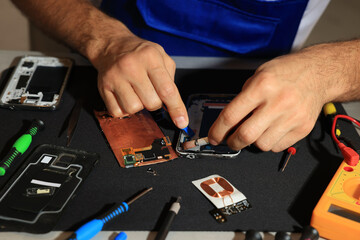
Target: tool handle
[[8, 160], [90, 229], [114, 212], [291, 150], [309, 233], [282, 236], [36, 126], [20, 146], [165, 227], [253, 235]]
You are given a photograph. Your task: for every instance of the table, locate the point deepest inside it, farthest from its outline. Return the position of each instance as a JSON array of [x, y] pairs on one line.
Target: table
[[6, 58]]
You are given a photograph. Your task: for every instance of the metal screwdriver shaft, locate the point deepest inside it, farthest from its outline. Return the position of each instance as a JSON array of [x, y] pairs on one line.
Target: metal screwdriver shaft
[[139, 195]]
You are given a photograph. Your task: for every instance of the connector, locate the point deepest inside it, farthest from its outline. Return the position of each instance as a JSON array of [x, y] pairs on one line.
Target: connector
[[351, 157]]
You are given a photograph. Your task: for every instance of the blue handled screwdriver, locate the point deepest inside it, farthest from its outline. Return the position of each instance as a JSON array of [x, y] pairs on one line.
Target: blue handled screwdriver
[[90, 229]]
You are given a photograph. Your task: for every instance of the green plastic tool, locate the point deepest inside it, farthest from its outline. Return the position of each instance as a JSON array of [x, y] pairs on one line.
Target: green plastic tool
[[21, 145]]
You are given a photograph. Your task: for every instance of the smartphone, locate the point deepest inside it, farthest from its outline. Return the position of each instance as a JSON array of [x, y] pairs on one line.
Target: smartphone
[[203, 110], [37, 82]]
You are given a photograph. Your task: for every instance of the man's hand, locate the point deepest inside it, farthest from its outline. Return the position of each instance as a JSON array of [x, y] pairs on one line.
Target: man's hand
[[279, 105], [133, 73], [136, 74]]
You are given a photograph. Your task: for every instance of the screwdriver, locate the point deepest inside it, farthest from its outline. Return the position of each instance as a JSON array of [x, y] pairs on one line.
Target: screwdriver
[[21, 145], [291, 151], [90, 229], [165, 227]]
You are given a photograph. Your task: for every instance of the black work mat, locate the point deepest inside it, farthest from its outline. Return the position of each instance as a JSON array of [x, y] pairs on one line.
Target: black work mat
[[280, 201]]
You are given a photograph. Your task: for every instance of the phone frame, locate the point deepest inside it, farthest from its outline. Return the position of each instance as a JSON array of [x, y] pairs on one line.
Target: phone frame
[[194, 106], [27, 67]]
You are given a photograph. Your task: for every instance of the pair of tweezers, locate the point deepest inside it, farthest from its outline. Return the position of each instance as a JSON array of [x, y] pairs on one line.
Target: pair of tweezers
[[73, 120]]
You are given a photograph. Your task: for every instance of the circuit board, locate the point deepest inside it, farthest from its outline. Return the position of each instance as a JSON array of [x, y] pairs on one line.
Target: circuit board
[[136, 140]]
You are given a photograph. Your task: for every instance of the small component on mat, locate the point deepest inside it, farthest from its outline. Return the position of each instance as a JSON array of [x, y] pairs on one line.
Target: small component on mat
[[152, 171], [227, 199], [40, 191]]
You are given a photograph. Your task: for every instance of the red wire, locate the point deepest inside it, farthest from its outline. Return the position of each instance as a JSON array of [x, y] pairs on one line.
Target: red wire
[[334, 125]]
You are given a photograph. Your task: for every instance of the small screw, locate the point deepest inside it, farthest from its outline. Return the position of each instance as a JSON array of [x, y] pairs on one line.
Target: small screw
[[152, 171]]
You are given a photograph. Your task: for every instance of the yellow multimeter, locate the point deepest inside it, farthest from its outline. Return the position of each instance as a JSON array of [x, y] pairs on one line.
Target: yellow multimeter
[[337, 214]]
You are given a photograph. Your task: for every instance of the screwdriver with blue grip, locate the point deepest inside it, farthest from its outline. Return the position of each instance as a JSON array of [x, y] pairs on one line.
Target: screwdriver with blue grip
[[90, 229], [20, 146]]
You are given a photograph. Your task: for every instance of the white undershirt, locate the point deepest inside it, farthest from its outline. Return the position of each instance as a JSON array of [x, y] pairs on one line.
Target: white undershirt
[[313, 11]]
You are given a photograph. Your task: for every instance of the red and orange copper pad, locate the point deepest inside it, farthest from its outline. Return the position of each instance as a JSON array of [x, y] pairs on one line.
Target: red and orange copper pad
[[136, 140]]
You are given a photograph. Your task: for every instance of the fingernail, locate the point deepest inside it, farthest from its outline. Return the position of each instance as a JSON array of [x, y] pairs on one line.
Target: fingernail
[[180, 122], [213, 142]]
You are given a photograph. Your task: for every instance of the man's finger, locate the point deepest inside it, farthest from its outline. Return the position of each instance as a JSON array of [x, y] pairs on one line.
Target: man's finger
[[111, 103], [169, 94], [270, 138], [128, 100], [252, 128], [146, 92], [230, 116]]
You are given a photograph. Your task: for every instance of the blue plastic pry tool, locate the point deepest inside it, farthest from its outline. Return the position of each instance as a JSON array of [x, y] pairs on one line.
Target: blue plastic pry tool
[[189, 131]]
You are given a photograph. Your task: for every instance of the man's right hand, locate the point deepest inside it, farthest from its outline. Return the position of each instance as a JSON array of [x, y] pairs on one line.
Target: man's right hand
[[136, 74]]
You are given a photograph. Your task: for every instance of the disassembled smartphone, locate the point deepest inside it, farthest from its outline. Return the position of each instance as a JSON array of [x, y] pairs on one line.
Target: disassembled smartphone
[[37, 82], [203, 109]]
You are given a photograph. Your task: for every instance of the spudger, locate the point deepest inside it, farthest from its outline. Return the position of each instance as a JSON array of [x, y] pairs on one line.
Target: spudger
[[90, 229], [165, 227], [21, 145]]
